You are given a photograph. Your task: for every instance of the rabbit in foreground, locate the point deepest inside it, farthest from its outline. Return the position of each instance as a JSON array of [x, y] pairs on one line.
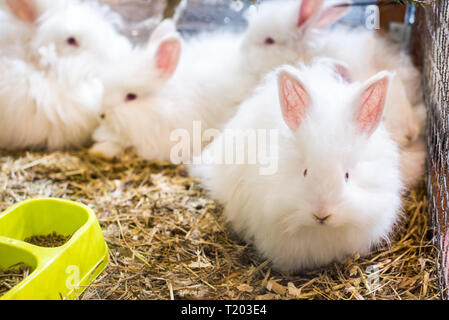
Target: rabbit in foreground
[[51, 79], [412, 155], [337, 187], [292, 31]]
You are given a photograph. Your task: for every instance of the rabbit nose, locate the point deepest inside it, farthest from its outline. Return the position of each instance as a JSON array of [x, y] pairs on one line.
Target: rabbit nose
[[322, 214], [321, 218]]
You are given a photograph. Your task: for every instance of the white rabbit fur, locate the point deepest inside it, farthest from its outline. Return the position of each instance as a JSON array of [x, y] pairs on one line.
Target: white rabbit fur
[[144, 122], [216, 73], [51, 90], [221, 78], [363, 51], [275, 212], [209, 83], [413, 162], [91, 25], [53, 107]]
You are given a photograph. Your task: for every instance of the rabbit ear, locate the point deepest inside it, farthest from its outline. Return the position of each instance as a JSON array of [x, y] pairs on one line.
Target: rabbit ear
[[165, 28], [343, 71], [294, 99], [372, 102], [339, 67], [331, 14], [308, 10], [167, 56], [25, 10]]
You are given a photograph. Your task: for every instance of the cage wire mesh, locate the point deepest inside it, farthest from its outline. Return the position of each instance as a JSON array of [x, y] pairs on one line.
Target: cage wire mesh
[[435, 40]]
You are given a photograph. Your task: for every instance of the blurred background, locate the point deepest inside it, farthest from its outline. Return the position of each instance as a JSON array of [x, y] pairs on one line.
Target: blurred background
[[193, 16]]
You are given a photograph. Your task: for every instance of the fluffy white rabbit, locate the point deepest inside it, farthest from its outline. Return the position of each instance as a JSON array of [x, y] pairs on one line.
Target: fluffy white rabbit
[[139, 109], [50, 78], [51, 104], [209, 83], [293, 31], [15, 28], [412, 155], [72, 26], [337, 187], [413, 162]]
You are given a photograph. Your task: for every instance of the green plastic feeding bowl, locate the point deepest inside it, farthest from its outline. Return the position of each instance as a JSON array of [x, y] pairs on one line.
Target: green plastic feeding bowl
[[61, 272]]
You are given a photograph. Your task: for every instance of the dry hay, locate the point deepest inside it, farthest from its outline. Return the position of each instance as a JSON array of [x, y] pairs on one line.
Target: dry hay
[[11, 276], [167, 239]]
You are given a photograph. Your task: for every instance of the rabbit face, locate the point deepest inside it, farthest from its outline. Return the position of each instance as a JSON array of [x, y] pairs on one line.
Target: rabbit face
[[340, 176], [282, 38], [75, 28]]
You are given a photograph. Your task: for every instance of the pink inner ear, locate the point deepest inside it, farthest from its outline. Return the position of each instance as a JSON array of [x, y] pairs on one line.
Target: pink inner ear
[[307, 10], [294, 101], [24, 10], [330, 15], [167, 57], [372, 105], [343, 72]]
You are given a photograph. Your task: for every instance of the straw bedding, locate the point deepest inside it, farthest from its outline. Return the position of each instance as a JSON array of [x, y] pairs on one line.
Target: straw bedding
[[12, 276], [168, 240]]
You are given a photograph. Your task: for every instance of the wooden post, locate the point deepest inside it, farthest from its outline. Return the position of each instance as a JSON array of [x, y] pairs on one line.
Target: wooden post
[[390, 13]]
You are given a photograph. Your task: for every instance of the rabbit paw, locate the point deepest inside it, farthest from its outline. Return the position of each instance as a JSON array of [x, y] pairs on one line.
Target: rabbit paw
[[105, 150]]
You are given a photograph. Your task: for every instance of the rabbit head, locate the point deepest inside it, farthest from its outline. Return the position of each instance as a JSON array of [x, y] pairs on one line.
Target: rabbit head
[[73, 27], [278, 32], [146, 69], [344, 164]]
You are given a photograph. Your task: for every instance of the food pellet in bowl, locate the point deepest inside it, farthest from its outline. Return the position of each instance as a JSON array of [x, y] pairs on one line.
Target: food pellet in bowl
[[12, 276], [49, 241]]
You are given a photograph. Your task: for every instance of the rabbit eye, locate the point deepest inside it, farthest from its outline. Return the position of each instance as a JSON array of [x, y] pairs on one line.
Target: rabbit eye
[[346, 177], [72, 42], [269, 41], [131, 97], [305, 173]]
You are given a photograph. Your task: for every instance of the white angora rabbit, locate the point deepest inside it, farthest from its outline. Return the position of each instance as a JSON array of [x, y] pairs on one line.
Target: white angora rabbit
[[332, 185]]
